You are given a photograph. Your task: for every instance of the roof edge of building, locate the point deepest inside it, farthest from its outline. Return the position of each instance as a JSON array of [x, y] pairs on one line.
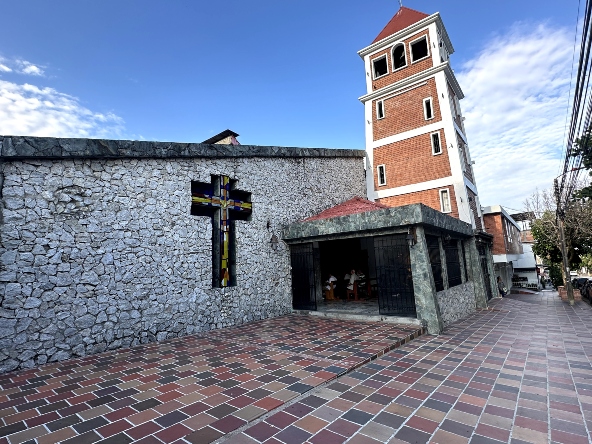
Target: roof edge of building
[[25, 147], [435, 17]]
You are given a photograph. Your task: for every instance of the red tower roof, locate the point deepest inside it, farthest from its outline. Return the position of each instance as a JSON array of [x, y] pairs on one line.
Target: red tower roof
[[402, 19], [352, 206]]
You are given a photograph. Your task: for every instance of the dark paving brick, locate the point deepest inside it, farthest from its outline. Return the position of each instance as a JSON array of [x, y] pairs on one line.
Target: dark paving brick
[[413, 436], [117, 439], [12, 428], [293, 435], [171, 418], [91, 424], [64, 422], [457, 428], [86, 438], [204, 436]]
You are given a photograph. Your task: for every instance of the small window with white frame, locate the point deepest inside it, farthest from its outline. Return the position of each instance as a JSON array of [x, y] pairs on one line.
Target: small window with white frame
[[381, 173], [428, 110], [399, 57], [419, 49], [379, 67], [436, 145], [380, 109], [445, 204]]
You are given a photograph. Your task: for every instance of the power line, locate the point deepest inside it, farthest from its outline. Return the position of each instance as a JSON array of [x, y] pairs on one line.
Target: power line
[[573, 61], [581, 114]]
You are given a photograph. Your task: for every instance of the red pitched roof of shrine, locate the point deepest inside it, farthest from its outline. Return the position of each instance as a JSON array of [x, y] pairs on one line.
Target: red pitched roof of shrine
[[402, 19], [352, 206]]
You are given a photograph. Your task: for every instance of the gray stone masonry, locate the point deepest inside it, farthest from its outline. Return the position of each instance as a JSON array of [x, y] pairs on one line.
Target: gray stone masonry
[[456, 302], [17, 147], [474, 268], [99, 253], [375, 222], [424, 287]]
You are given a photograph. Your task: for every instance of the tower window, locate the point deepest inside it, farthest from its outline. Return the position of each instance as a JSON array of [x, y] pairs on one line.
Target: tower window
[[445, 201], [436, 146], [380, 67], [399, 57], [427, 109], [380, 109], [419, 49], [381, 170]]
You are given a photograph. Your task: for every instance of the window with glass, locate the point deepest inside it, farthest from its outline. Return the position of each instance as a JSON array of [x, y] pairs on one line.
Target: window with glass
[[380, 67], [399, 57], [381, 170], [445, 201]]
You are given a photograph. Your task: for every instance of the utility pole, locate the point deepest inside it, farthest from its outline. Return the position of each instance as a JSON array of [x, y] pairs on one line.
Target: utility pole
[[560, 220]]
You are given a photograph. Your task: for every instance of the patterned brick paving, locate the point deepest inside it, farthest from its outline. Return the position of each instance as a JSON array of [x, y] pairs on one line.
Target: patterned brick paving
[[519, 373], [191, 389]]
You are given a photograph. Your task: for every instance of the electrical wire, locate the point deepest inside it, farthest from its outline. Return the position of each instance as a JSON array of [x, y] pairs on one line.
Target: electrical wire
[[573, 61], [581, 113]]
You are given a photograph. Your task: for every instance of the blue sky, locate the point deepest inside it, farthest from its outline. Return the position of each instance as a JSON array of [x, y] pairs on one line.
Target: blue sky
[[277, 72]]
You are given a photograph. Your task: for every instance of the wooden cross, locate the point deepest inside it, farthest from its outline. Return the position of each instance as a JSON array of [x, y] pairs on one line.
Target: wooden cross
[[224, 204]]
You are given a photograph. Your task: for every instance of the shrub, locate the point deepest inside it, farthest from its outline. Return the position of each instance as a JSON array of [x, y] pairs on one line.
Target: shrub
[[555, 275]]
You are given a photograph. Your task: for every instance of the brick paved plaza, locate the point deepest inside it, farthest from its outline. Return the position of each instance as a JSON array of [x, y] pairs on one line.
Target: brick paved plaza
[[519, 372]]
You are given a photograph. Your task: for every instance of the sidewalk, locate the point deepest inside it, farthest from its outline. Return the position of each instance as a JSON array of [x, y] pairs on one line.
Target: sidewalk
[[519, 373], [196, 387]]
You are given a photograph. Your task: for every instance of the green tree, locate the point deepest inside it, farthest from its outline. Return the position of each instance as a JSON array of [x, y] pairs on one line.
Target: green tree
[[545, 229], [587, 261], [555, 275]]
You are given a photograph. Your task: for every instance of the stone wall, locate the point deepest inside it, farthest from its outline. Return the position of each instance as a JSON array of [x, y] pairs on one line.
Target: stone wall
[[97, 254], [456, 302]]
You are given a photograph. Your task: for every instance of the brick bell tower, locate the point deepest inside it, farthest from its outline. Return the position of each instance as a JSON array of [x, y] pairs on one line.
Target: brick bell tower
[[416, 144]]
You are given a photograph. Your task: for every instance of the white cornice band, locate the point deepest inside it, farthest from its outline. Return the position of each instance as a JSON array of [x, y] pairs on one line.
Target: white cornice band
[[393, 87]]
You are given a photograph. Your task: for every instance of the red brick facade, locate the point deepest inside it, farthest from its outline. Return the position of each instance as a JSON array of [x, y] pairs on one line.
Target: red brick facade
[[407, 71], [494, 225], [405, 111], [506, 237], [473, 205], [411, 161], [431, 198]]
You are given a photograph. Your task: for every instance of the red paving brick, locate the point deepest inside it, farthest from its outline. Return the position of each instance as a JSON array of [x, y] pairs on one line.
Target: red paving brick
[[485, 367], [139, 394], [519, 373]]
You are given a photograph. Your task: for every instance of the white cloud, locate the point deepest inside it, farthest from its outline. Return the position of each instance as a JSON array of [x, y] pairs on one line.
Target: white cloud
[[3, 66], [516, 100], [29, 68], [28, 110]]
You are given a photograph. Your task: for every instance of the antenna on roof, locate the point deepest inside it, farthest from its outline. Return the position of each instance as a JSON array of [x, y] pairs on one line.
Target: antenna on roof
[[401, 3]]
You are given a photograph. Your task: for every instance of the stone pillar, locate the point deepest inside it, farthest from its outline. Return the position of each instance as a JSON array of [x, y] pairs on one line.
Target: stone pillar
[[475, 272], [316, 257], [493, 280], [426, 302], [463, 274], [443, 264]]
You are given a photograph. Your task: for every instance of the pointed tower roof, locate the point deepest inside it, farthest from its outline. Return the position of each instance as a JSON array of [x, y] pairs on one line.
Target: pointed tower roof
[[352, 206], [402, 19]]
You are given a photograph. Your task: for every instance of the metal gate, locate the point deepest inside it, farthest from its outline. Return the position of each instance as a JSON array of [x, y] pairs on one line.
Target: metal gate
[[303, 277], [485, 270], [393, 274]]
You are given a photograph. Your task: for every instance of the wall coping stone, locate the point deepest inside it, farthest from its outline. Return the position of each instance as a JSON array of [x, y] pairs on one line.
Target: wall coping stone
[[24, 147], [370, 222]]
